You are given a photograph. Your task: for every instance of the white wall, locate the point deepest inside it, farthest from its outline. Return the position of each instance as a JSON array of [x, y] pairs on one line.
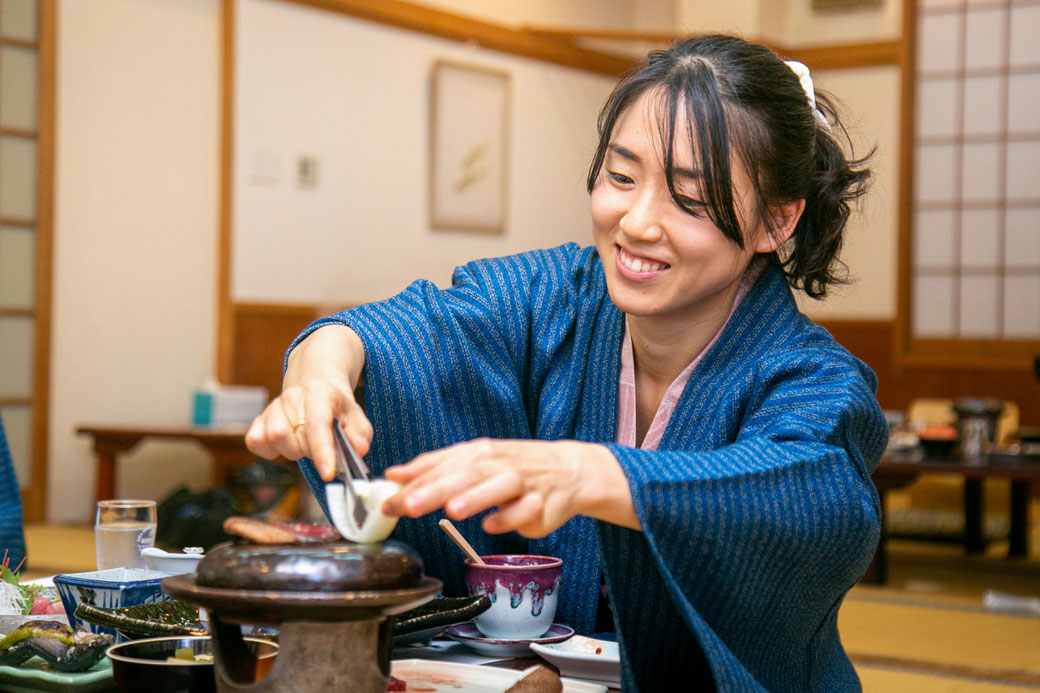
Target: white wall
[[356, 95], [741, 17], [870, 100], [792, 22], [805, 26], [135, 228]]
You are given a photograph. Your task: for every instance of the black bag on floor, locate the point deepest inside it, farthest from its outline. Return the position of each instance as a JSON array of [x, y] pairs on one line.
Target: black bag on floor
[[193, 519]]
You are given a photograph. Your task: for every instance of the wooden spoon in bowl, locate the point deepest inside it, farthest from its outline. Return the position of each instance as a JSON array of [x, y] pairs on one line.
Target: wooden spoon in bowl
[[460, 541]]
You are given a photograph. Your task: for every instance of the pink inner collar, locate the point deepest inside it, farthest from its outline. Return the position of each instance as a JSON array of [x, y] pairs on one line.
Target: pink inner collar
[[626, 421]]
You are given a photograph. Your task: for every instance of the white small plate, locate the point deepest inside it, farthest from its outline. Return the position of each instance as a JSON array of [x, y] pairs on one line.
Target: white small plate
[[431, 675], [468, 635], [176, 563], [583, 658]]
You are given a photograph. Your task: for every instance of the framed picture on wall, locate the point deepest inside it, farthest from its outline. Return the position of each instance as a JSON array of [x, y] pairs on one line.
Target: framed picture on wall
[[469, 148]]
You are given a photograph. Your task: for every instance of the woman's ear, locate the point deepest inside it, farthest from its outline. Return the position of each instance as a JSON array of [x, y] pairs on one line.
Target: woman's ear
[[784, 218]]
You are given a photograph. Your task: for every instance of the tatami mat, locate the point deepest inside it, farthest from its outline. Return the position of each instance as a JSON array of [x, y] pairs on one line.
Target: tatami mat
[[945, 639], [57, 549], [885, 680]]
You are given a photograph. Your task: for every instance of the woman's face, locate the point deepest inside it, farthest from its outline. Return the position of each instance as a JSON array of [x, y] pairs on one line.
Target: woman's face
[[660, 260]]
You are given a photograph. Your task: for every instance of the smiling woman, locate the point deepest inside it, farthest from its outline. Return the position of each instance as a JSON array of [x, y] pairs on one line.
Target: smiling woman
[[654, 409]]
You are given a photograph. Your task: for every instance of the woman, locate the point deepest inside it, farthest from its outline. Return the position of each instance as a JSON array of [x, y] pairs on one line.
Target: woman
[[654, 409]]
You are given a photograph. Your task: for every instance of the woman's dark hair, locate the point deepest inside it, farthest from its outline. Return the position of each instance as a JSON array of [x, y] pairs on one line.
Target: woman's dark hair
[[740, 96]]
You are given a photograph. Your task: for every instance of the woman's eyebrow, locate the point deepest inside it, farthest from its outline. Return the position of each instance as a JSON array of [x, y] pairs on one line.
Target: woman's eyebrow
[[690, 174], [625, 153]]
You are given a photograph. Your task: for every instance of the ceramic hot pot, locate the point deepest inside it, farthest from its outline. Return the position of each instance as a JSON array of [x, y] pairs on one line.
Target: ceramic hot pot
[[332, 603]]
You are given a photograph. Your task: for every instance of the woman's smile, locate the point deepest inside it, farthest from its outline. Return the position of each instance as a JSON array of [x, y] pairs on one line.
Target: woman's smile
[[637, 268]]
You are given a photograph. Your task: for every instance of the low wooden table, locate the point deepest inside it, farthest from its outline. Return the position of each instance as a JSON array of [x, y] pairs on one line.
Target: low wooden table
[[227, 446], [898, 469]]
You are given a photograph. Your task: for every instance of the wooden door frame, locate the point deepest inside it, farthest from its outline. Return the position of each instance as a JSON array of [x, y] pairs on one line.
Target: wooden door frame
[[35, 501]]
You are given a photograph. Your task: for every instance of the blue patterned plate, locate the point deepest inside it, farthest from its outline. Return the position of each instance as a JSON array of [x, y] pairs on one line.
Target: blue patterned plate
[[109, 589]]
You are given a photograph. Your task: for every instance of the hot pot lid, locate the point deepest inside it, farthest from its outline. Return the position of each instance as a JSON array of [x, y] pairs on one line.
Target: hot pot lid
[[273, 607], [326, 567]]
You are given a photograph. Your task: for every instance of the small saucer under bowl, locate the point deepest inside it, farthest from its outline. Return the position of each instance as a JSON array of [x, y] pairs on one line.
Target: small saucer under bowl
[[468, 635]]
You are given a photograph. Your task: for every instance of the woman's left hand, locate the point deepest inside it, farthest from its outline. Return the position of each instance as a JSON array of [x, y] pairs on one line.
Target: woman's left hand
[[536, 485]]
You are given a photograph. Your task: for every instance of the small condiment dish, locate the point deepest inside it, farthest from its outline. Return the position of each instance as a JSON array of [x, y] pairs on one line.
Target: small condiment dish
[[583, 657], [176, 563]]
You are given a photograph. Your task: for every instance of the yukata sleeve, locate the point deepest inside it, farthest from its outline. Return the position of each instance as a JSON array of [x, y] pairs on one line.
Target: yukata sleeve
[[755, 542], [442, 366]]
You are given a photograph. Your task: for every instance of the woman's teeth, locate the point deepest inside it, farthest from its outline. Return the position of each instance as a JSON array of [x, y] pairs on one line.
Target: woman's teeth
[[638, 265]]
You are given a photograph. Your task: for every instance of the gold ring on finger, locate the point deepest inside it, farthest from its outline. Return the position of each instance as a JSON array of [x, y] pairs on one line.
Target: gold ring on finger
[[297, 425]]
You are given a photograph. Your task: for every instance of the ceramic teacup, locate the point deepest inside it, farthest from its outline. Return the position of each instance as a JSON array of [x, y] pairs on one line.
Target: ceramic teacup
[[524, 590]]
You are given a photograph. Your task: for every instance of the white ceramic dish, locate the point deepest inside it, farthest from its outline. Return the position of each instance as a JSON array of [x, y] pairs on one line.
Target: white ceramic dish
[[438, 677], [468, 635], [176, 563], [583, 658], [373, 494]]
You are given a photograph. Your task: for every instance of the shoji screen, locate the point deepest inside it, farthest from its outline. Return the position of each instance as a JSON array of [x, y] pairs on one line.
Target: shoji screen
[[976, 253], [18, 142], [26, 140]]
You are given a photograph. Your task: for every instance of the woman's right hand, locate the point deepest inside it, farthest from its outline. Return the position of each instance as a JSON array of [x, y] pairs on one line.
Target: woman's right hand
[[317, 388]]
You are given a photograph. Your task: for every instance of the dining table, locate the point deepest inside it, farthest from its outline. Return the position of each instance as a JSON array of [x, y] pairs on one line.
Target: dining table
[[900, 468], [225, 444], [457, 666]]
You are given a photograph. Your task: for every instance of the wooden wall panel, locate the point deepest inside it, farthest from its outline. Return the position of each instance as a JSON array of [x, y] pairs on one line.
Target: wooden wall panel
[[260, 335], [874, 342]]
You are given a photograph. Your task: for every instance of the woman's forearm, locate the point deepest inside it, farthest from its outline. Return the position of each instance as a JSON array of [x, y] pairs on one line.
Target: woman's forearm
[[318, 387], [333, 353], [604, 493]]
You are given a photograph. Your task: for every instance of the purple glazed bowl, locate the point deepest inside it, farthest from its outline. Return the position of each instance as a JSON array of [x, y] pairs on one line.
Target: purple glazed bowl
[[524, 590]]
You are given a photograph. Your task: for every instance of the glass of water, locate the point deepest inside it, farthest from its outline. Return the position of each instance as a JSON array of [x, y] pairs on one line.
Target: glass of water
[[122, 529]]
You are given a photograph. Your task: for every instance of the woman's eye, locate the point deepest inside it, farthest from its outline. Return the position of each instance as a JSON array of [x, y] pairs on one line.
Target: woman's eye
[[620, 178], [692, 206]]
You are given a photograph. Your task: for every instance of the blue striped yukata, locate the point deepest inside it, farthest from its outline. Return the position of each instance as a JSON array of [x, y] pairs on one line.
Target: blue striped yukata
[[757, 508], [12, 535]]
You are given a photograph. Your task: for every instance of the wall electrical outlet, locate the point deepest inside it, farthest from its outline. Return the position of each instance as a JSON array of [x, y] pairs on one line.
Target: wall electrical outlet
[[263, 169], [307, 171]]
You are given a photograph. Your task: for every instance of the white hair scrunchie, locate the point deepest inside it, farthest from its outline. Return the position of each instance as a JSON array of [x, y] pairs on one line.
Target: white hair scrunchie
[[802, 73]]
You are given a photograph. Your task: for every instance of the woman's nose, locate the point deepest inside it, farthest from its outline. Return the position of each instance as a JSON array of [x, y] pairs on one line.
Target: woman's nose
[[643, 220]]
